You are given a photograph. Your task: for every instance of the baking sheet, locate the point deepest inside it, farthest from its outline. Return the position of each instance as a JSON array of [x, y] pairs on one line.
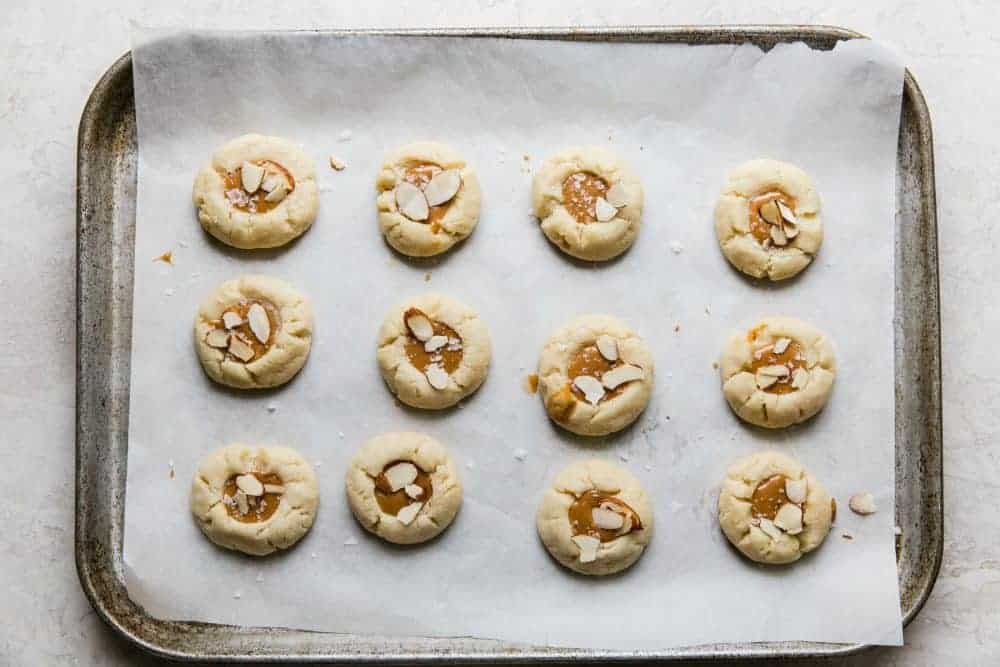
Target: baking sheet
[[682, 116]]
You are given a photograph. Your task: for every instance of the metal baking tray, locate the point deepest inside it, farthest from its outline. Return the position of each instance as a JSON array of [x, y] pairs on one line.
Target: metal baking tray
[[106, 175]]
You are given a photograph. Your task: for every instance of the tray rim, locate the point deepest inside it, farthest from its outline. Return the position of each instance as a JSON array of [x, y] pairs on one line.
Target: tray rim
[[765, 36]]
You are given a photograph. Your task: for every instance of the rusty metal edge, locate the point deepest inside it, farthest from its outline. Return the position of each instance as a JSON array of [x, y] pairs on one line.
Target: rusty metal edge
[[99, 566]]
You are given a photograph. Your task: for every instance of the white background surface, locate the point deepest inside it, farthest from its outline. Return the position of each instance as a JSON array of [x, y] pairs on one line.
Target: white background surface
[[53, 54], [488, 576]]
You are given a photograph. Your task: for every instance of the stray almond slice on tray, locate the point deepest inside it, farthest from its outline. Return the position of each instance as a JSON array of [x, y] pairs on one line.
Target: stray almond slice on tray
[[260, 325], [616, 195], [279, 192], [251, 176], [336, 163], [604, 211], [795, 489], [250, 485], [411, 202], [769, 211], [218, 338], [862, 503], [608, 347], [231, 320], [400, 475], [414, 490], [786, 213], [420, 326], [591, 387], [436, 376], [607, 519], [770, 529], [240, 348], [409, 513], [435, 343], [619, 375], [442, 187], [588, 547], [789, 518], [781, 345], [276, 489]]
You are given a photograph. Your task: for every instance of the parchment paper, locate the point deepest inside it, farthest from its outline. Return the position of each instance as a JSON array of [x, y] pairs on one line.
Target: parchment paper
[[682, 116]]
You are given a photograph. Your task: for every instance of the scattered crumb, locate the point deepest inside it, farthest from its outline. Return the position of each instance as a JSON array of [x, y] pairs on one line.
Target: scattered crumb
[[470, 465], [648, 467], [317, 464], [337, 163], [715, 365], [526, 157], [166, 258], [708, 311], [676, 506], [169, 291], [531, 383], [427, 277], [640, 146], [670, 375], [623, 457], [350, 542], [676, 247], [271, 407], [677, 327], [520, 454], [340, 434], [314, 555], [196, 275], [171, 464], [182, 244], [345, 135], [667, 418], [847, 536], [259, 578], [237, 595]]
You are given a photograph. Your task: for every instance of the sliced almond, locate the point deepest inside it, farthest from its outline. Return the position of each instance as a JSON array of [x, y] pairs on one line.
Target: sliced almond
[[337, 163], [409, 513], [271, 181], [231, 320], [442, 187], [778, 236], [259, 324], [787, 213], [250, 485], [777, 370], [588, 547], [420, 326], [791, 230], [764, 381], [414, 490], [862, 503], [604, 211], [436, 376], [241, 501], [591, 387], [781, 345], [796, 489], [279, 192], [606, 519], [277, 489], [608, 347], [812, 357], [770, 529], [411, 202], [769, 211], [619, 375], [800, 378], [789, 518], [401, 475], [240, 349], [435, 343], [251, 176], [616, 195], [218, 338]]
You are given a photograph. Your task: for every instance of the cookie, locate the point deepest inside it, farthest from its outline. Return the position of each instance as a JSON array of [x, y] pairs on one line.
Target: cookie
[[596, 518], [772, 510], [433, 351], [589, 203], [254, 499], [428, 199], [258, 192], [403, 487], [778, 373], [595, 375], [767, 219], [253, 332]]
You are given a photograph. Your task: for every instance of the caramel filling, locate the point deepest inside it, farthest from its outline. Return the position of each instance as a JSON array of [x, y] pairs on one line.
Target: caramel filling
[[256, 202], [260, 508], [581, 515], [580, 192], [245, 333], [589, 361], [759, 227], [390, 501], [420, 174], [448, 357], [768, 497], [792, 358]]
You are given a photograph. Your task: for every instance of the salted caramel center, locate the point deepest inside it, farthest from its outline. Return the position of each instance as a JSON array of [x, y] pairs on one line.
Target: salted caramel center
[[792, 357], [589, 361], [420, 174], [258, 508], [390, 501], [768, 497], [759, 227], [260, 200], [233, 338], [580, 192], [448, 357], [581, 515]]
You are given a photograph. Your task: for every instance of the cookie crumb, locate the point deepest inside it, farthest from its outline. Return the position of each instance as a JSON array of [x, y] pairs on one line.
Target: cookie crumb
[[237, 595], [345, 135], [171, 464], [676, 247], [259, 578], [623, 457], [715, 365], [648, 467], [182, 244], [520, 454], [168, 292], [708, 311], [531, 383], [340, 434], [166, 258], [350, 542], [427, 277], [470, 465], [847, 536], [271, 407], [677, 327]]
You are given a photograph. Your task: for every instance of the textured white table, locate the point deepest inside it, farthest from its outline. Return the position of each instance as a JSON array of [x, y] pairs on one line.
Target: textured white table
[[54, 52]]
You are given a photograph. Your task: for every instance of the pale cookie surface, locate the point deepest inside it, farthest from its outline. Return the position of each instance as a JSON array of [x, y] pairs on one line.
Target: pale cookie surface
[[403, 487], [767, 219], [433, 351], [428, 198], [253, 332], [595, 518], [589, 202], [257, 192], [595, 375], [254, 499], [772, 510], [778, 373]]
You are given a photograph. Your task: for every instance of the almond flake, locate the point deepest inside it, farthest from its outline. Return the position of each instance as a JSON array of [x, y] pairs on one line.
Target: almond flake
[[764, 381], [791, 231], [591, 387], [420, 326], [241, 501], [778, 236], [812, 357], [218, 338], [250, 485], [776, 370], [789, 518], [271, 181], [414, 490], [770, 529], [619, 375], [781, 345], [251, 176], [770, 213], [786, 213], [588, 547], [862, 503], [279, 192], [337, 163], [411, 202], [616, 195], [260, 325], [276, 489], [400, 475], [608, 347], [240, 348], [604, 211], [436, 376], [442, 187], [796, 489], [435, 343], [231, 320], [800, 378], [409, 513], [607, 519]]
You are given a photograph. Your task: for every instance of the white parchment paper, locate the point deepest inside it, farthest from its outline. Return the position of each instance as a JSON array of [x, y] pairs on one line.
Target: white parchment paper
[[682, 117]]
